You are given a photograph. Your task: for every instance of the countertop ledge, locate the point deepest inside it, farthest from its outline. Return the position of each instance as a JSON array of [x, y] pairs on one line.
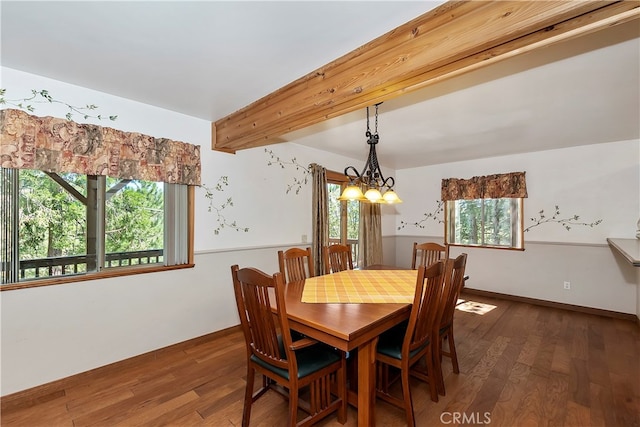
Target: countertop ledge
[[628, 248]]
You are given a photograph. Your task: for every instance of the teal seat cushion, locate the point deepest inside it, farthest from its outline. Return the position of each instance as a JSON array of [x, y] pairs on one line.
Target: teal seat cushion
[[390, 342], [310, 360]]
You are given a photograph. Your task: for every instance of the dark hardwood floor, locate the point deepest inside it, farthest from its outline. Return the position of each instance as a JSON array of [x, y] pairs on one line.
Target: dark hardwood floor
[[520, 365]]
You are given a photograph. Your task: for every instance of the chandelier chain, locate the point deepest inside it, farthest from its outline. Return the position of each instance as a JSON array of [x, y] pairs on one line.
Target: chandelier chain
[[376, 131], [368, 133]]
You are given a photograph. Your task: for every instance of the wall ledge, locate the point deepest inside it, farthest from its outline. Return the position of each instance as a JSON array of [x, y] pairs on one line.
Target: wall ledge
[[628, 248]]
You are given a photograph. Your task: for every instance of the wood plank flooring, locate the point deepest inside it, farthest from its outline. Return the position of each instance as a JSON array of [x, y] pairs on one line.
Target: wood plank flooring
[[520, 365]]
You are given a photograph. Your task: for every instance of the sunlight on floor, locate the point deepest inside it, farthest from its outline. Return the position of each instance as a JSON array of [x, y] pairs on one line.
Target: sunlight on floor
[[474, 307]]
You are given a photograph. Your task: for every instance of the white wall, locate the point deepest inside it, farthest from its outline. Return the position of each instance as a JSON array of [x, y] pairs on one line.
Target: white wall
[[53, 332], [594, 182], [56, 331]]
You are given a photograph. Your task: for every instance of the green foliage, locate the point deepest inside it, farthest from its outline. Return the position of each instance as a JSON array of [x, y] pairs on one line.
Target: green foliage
[[334, 214], [334, 211], [43, 96], [483, 221], [53, 222], [353, 220], [135, 217]]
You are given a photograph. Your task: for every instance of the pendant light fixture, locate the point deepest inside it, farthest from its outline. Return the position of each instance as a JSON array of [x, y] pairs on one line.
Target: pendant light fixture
[[378, 188]]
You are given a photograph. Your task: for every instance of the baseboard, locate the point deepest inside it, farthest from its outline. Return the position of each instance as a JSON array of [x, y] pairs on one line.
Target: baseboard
[[545, 303], [56, 389]]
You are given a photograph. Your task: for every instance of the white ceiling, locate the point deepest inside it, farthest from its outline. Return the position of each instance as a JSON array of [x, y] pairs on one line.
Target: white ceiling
[[208, 59]]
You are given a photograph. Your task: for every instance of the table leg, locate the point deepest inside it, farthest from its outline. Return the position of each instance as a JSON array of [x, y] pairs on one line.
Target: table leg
[[367, 383]]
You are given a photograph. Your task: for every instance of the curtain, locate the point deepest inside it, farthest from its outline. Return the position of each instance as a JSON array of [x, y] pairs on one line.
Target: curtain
[[176, 233], [320, 212], [507, 185], [370, 234], [52, 144], [10, 265]]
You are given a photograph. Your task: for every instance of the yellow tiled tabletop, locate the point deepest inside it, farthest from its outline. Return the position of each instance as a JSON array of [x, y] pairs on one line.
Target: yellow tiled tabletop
[[361, 286]]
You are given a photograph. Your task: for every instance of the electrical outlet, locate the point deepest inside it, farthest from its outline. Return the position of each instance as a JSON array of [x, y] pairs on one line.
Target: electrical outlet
[[304, 238], [567, 285]]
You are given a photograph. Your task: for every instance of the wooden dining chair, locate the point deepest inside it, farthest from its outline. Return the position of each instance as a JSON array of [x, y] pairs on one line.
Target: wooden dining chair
[[296, 264], [404, 345], [428, 253], [337, 258], [286, 366], [453, 283]]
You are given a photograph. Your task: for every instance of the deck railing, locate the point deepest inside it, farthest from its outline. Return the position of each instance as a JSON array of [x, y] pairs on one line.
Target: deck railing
[[77, 264], [64, 265]]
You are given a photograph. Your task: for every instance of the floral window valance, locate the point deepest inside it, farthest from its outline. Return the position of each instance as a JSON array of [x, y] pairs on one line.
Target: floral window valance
[[506, 185], [52, 144]]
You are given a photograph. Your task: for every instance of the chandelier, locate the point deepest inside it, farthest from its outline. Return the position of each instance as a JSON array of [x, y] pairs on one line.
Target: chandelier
[[378, 188]]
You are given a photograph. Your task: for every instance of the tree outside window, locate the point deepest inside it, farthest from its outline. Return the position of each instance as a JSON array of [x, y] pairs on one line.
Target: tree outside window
[[344, 216]]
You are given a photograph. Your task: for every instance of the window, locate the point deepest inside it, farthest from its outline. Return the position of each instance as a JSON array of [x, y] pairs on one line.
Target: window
[[485, 211], [485, 222], [70, 225], [344, 216]]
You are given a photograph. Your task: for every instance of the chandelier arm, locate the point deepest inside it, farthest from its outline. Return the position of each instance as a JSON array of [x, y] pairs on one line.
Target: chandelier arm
[[354, 170], [389, 182], [375, 173]]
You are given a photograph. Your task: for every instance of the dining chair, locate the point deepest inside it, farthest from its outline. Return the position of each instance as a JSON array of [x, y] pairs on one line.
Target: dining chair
[[404, 345], [453, 283], [296, 264], [286, 366], [337, 257], [428, 253]]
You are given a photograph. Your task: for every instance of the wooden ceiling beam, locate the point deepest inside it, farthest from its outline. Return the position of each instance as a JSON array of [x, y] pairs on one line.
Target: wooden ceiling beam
[[454, 38]]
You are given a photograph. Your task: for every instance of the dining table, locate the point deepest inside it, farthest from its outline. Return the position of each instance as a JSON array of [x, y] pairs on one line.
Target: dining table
[[349, 310]]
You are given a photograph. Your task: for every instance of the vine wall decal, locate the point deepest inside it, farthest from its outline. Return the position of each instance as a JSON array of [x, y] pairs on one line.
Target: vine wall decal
[[298, 182], [44, 97], [427, 216], [218, 209], [565, 222]]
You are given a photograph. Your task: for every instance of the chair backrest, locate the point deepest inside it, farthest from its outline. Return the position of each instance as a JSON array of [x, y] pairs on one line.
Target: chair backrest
[[296, 264], [267, 336], [337, 258], [453, 283], [425, 313], [428, 253]]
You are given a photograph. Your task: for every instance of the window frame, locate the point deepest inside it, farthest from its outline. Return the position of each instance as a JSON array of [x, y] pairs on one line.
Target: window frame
[[120, 271], [517, 225]]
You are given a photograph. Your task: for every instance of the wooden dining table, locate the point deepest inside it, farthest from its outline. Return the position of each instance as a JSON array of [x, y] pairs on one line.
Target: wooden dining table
[[350, 326]]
